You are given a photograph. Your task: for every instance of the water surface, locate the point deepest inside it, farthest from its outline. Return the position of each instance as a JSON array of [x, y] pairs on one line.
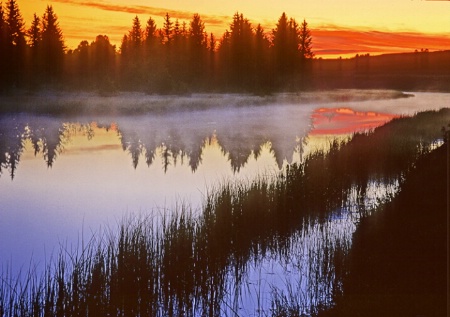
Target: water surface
[[63, 179]]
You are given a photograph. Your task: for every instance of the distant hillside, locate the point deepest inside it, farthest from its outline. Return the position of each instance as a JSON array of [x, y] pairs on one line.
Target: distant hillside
[[405, 71]]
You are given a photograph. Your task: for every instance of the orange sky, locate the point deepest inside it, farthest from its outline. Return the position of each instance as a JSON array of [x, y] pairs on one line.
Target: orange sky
[[339, 28]]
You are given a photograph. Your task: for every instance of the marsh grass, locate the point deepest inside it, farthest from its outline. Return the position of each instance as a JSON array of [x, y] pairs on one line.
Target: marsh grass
[[179, 264]]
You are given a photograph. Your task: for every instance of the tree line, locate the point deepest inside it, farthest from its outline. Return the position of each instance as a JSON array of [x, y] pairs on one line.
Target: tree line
[[176, 57]]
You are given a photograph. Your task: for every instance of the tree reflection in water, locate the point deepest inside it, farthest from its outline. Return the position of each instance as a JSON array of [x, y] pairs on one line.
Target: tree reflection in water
[[286, 235]]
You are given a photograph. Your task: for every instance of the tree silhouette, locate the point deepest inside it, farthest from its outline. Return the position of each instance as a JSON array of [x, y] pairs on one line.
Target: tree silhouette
[[305, 46], [286, 41], [198, 49], [15, 24], [150, 36], [306, 54], [166, 32], [52, 46], [212, 43], [34, 32], [236, 54], [135, 36], [152, 55], [261, 60], [103, 57], [176, 58], [82, 64], [131, 57], [15, 43], [4, 49]]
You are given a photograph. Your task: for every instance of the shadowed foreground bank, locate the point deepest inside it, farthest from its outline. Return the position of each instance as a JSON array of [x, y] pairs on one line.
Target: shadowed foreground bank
[[398, 259]]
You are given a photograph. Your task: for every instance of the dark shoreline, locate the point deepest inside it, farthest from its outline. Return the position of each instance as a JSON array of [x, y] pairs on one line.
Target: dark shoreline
[[398, 263]]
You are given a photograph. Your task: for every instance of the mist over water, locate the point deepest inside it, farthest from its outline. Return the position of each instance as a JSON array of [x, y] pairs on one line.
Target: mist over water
[[74, 176]]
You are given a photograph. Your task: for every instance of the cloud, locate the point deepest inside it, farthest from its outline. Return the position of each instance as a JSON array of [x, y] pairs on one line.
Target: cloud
[[148, 10], [328, 40], [343, 41]]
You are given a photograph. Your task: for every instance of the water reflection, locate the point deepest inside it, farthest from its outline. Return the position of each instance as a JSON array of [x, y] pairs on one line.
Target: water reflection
[[177, 142], [254, 248]]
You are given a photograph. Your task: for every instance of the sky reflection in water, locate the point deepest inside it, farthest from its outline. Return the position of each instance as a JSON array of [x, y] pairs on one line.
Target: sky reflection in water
[[93, 171]]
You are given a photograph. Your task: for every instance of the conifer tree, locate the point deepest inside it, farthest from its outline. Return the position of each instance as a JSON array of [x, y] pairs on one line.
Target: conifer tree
[[285, 41], [197, 32], [305, 46], [4, 49], [103, 55], [150, 34], [166, 31], [16, 26], [197, 49], [135, 35], [261, 61], [52, 45], [15, 44], [34, 32], [34, 41]]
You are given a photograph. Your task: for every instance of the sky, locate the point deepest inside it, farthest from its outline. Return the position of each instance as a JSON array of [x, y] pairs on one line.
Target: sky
[[339, 28]]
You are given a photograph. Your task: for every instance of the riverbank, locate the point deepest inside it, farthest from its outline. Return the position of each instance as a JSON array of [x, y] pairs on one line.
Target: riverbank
[[398, 260]]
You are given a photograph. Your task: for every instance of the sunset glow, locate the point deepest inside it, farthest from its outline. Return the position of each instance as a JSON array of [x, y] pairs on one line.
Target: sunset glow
[[342, 28]]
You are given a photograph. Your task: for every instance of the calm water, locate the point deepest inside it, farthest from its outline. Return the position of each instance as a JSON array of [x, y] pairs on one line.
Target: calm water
[[62, 180]]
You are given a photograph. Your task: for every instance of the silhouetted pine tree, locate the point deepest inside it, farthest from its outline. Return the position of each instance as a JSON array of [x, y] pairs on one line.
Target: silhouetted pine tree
[[306, 54], [198, 50], [286, 41], [15, 44], [135, 37], [103, 62], [82, 69], [34, 41], [4, 50], [224, 61], [261, 68], [211, 76], [150, 39], [153, 65], [305, 46], [166, 32], [177, 66], [132, 72], [52, 48], [236, 53]]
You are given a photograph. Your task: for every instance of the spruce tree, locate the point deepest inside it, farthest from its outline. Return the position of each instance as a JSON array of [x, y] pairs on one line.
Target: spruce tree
[[167, 30], [305, 46], [52, 46], [16, 26], [135, 35], [15, 44], [286, 41], [34, 41], [4, 50], [150, 34], [34, 32], [198, 49]]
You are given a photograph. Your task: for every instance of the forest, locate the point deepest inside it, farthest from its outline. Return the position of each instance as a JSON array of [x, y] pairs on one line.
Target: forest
[[181, 58]]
